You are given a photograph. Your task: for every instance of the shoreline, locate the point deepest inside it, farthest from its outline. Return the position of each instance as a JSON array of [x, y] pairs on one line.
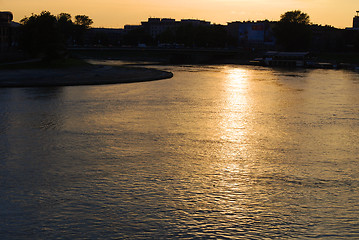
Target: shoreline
[[175, 56], [89, 75]]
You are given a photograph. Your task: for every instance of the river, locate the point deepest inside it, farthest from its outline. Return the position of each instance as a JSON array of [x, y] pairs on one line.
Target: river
[[221, 152]]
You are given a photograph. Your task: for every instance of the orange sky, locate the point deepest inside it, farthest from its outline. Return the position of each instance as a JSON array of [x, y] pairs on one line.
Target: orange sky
[[117, 13]]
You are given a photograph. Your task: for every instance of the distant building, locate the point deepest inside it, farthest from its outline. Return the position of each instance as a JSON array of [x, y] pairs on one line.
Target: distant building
[[129, 28], [356, 21], [156, 26], [252, 34], [104, 36], [195, 22], [5, 30], [327, 38]]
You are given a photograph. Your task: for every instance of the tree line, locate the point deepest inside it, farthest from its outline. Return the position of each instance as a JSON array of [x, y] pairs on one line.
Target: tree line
[[45, 35], [295, 32]]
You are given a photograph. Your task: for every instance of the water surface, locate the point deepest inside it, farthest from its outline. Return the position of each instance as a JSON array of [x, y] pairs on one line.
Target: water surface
[[216, 152]]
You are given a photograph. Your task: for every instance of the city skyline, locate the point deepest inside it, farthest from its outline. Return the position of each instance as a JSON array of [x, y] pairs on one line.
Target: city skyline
[[116, 14]]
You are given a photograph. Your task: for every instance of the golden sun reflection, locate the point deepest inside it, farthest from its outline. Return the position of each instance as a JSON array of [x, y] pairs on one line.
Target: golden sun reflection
[[235, 109], [235, 169]]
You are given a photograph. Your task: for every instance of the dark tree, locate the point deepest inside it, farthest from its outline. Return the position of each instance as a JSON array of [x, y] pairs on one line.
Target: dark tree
[[41, 37], [64, 18], [82, 23], [295, 17], [46, 36], [65, 25], [293, 31]]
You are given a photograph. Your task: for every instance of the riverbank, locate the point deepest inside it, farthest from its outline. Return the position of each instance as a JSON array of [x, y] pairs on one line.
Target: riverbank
[[166, 56], [174, 56], [84, 75]]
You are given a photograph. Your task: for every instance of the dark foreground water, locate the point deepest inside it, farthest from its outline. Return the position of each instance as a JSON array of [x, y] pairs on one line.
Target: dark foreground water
[[216, 152]]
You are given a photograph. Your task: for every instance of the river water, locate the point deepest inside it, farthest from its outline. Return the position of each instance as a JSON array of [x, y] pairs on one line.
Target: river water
[[222, 152]]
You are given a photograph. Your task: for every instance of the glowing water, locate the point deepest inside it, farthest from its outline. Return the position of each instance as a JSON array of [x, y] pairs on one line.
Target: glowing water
[[215, 152]]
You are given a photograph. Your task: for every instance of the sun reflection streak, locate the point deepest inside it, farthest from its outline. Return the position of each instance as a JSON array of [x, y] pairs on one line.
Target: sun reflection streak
[[236, 107], [235, 169]]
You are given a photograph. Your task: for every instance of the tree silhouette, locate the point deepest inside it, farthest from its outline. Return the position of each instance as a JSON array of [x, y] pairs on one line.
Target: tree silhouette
[[41, 37], [295, 17], [45, 35], [65, 25], [82, 23], [292, 31]]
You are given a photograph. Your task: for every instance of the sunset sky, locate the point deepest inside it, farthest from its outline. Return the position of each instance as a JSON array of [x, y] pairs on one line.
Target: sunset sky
[[117, 13]]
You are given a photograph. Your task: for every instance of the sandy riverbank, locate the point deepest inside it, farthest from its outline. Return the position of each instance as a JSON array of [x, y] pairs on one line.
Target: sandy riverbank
[[89, 75]]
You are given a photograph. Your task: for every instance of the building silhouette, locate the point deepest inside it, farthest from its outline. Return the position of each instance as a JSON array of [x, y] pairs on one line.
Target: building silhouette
[[155, 26], [194, 33], [356, 21], [5, 30], [252, 34]]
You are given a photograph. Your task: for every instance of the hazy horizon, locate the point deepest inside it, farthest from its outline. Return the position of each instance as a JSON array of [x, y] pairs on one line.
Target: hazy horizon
[[116, 14]]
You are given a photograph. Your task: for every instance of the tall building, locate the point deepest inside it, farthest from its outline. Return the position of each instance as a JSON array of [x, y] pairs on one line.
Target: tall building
[[5, 30], [356, 20], [252, 34], [156, 26]]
